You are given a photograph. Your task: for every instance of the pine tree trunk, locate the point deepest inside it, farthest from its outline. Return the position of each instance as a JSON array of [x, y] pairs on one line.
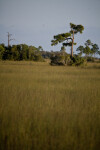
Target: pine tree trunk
[[72, 45]]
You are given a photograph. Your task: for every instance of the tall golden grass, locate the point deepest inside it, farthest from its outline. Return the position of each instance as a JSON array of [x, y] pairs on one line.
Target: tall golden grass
[[45, 107]]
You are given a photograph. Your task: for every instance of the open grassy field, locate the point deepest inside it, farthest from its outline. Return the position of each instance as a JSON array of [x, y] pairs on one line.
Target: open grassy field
[[45, 107]]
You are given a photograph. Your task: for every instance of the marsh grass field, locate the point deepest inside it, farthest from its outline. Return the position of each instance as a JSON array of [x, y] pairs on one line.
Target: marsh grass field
[[45, 107]]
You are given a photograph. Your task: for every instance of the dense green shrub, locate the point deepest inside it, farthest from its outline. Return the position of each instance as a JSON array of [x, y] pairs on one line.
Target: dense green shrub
[[67, 60], [58, 60], [1, 51], [77, 61]]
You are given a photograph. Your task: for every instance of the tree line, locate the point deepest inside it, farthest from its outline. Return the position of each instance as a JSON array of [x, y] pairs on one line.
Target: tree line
[[25, 52], [20, 52], [89, 49]]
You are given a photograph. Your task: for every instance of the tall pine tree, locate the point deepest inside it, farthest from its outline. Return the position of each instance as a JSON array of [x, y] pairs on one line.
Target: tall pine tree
[[67, 39]]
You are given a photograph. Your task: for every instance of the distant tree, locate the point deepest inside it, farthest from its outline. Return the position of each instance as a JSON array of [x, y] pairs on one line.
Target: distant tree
[[20, 52], [19, 49], [98, 52], [94, 49], [40, 48], [68, 37], [32, 51], [80, 49], [2, 49], [88, 43], [24, 52], [87, 49], [3, 45], [15, 53], [8, 53]]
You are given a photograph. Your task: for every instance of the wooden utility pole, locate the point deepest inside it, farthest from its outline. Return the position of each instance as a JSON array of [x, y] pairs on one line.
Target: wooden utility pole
[[9, 39]]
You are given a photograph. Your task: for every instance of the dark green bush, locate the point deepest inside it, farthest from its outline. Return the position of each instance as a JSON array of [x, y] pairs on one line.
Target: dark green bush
[[67, 60], [77, 61], [58, 60]]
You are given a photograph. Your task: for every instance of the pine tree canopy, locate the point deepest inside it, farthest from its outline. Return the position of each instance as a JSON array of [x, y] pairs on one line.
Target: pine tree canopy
[[76, 28], [88, 43], [60, 38], [69, 44], [68, 38]]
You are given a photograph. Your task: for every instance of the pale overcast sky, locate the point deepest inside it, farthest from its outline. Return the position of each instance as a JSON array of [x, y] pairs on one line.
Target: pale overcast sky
[[35, 22]]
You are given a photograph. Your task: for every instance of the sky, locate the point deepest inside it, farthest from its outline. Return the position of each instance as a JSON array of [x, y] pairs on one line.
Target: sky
[[35, 22]]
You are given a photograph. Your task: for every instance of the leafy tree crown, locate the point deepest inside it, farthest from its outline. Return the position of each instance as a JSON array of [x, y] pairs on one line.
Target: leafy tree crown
[[76, 28]]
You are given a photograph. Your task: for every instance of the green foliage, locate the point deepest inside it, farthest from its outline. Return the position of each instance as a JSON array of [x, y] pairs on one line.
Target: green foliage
[[68, 44], [98, 52], [1, 51], [24, 52], [31, 52], [58, 60], [76, 28], [15, 53], [38, 57], [63, 50], [80, 49], [65, 59], [40, 48], [67, 39], [94, 49], [20, 52], [77, 61], [88, 43], [60, 38], [88, 50]]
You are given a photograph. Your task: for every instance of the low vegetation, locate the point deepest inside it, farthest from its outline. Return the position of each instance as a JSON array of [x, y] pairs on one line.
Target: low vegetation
[[45, 107], [62, 60]]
